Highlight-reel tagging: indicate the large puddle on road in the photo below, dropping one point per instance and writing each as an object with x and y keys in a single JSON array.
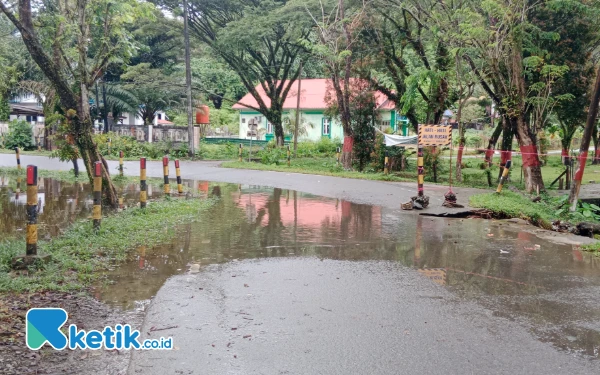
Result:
[{"x": 551, "y": 288}]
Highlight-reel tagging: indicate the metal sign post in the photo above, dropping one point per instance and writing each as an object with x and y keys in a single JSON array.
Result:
[{"x": 252, "y": 128}]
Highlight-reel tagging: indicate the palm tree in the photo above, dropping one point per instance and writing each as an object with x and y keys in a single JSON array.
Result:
[{"x": 290, "y": 125}]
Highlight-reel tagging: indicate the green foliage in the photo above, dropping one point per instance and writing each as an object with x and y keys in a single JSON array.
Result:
[
  {"x": 133, "y": 149},
  {"x": 155, "y": 89},
  {"x": 473, "y": 138},
  {"x": 395, "y": 155},
  {"x": 585, "y": 211},
  {"x": 217, "y": 80},
  {"x": 79, "y": 255},
  {"x": 272, "y": 155},
  {"x": 363, "y": 114},
  {"x": 20, "y": 134},
  {"x": 4, "y": 108}
]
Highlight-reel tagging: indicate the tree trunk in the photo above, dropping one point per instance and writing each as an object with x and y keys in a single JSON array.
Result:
[
  {"x": 347, "y": 152},
  {"x": 585, "y": 143},
  {"x": 596, "y": 149},
  {"x": 75, "y": 107},
  {"x": 489, "y": 153},
  {"x": 532, "y": 171},
  {"x": 90, "y": 155},
  {"x": 275, "y": 121},
  {"x": 461, "y": 148},
  {"x": 507, "y": 139}
]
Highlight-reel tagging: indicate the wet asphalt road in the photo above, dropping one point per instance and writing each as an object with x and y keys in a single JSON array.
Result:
[{"x": 311, "y": 316}]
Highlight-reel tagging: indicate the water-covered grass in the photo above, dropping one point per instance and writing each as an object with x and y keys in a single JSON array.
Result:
[{"x": 79, "y": 255}]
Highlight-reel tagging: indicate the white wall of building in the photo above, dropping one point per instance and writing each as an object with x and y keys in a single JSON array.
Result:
[
  {"x": 314, "y": 133},
  {"x": 133, "y": 119}
]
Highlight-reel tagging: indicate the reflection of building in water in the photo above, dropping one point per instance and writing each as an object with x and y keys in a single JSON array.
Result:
[
  {"x": 21, "y": 200},
  {"x": 310, "y": 213}
]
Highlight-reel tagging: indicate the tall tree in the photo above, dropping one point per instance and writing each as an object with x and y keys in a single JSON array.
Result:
[
  {"x": 495, "y": 33},
  {"x": 416, "y": 62},
  {"x": 258, "y": 41},
  {"x": 155, "y": 90},
  {"x": 337, "y": 26},
  {"x": 85, "y": 36}
]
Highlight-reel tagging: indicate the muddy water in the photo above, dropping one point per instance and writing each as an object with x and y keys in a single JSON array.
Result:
[{"x": 550, "y": 288}]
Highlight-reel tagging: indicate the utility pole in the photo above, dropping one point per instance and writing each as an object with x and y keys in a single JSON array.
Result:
[
  {"x": 188, "y": 81},
  {"x": 296, "y": 128}
]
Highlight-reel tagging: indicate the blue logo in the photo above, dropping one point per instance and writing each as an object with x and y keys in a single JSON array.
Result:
[{"x": 43, "y": 326}]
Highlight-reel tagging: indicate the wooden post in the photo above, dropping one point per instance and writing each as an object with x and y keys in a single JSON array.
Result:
[
  {"x": 18, "y": 152},
  {"x": 178, "y": 174},
  {"x": 97, "y": 210},
  {"x": 166, "y": 175},
  {"x": 32, "y": 210},
  {"x": 121, "y": 163},
  {"x": 31, "y": 256},
  {"x": 421, "y": 171},
  {"x": 386, "y": 163},
  {"x": 337, "y": 155},
  {"x": 240, "y": 153},
  {"x": 289, "y": 162},
  {"x": 143, "y": 185},
  {"x": 504, "y": 176},
  {"x": 109, "y": 145}
]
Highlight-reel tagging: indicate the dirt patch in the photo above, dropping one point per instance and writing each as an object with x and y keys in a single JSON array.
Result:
[{"x": 84, "y": 311}]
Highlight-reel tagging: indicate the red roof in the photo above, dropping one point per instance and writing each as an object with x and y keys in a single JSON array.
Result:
[
  {"x": 313, "y": 96},
  {"x": 164, "y": 122}
]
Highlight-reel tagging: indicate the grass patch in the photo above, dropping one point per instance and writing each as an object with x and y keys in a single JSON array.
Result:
[
  {"x": 592, "y": 247},
  {"x": 31, "y": 152},
  {"x": 512, "y": 205},
  {"x": 79, "y": 255},
  {"x": 319, "y": 166}
]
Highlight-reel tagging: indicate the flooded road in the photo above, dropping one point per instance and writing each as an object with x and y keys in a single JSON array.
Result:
[{"x": 550, "y": 290}]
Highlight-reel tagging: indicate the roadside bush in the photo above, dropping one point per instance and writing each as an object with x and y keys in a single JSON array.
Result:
[
  {"x": 134, "y": 149},
  {"x": 272, "y": 155},
  {"x": 326, "y": 146},
  {"x": 395, "y": 156},
  {"x": 20, "y": 134}
]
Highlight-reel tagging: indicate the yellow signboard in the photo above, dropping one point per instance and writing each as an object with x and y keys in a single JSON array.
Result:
[
  {"x": 437, "y": 275},
  {"x": 435, "y": 135}
]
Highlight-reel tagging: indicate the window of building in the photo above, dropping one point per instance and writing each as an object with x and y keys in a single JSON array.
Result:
[
  {"x": 269, "y": 128},
  {"x": 326, "y": 129},
  {"x": 243, "y": 121},
  {"x": 160, "y": 116}
]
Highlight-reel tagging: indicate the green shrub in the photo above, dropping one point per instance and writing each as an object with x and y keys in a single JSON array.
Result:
[
  {"x": 272, "y": 155},
  {"x": 133, "y": 149},
  {"x": 20, "y": 134}
]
